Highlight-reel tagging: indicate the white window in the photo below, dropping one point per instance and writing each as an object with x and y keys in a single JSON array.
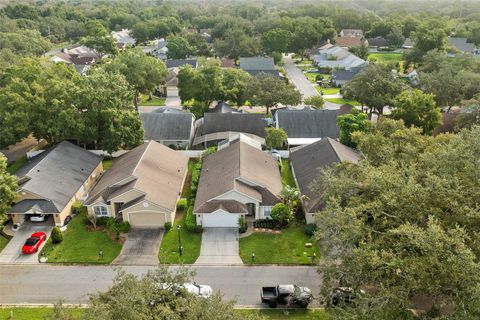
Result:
[
  {"x": 100, "y": 211},
  {"x": 267, "y": 211}
]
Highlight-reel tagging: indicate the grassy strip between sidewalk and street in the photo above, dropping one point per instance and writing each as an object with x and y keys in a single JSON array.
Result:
[
  {"x": 81, "y": 245},
  {"x": 40, "y": 313},
  {"x": 287, "y": 247}
]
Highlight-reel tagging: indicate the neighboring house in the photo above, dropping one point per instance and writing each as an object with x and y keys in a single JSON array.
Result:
[
  {"x": 337, "y": 57},
  {"x": 355, "y": 33},
  {"x": 340, "y": 76},
  {"x": 81, "y": 57},
  {"x": 177, "y": 63},
  {"x": 462, "y": 45},
  {"x": 257, "y": 65},
  {"x": 206, "y": 34},
  {"x": 216, "y": 127},
  {"x": 168, "y": 126},
  {"x": 378, "y": 42},
  {"x": 307, "y": 126},
  {"x": 348, "y": 42},
  {"x": 123, "y": 38},
  {"x": 227, "y": 63},
  {"x": 142, "y": 186},
  {"x": 407, "y": 44},
  {"x": 52, "y": 181},
  {"x": 307, "y": 161},
  {"x": 413, "y": 77},
  {"x": 223, "y": 107},
  {"x": 237, "y": 181},
  {"x": 159, "y": 49}
]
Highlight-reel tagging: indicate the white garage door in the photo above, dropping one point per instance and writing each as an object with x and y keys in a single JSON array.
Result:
[
  {"x": 147, "y": 219},
  {"x": 221, "y": 219}
]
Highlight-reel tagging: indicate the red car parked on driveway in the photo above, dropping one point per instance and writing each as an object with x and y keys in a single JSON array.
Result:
[{"x": 34, "y": 242}]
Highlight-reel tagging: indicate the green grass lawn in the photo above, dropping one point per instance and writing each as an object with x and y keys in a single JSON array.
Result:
[
  {"x": 24, "y": 313},
  {"x": 81, "y": 245},
  {"x": 343, "y": 101},
  {"x": 288, "y": 247},
  {"x": 191, "y": 241},
  {"x": 156, "y": 101},
  {"x": 107, "y": 164},
  {"x": 304, "y": 61},
  {"x": 286, "y": 173},
  {"x": 3, "y": 242},
  {"x": 14, "y": 166},
  {"x": 328, "y": 90},
  {"x": 312, "y": 76},
  {"x": 385, "y": 57}
]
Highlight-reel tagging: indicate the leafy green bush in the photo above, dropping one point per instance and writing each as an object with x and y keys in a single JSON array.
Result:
[
  {"x": 167, "y": 225},
  {"x": 57, "y": 235},
  {"x": 266, "y": 223},
  {"x": 103, "y": 221},
  {"x": 77, "y": 207},
  {"x": 122, "y": 227},
  {"x": 181, "y": 204},
  {"x": 281, "y": 214},
  {"x": 310, "y": 229},
  {"x": 190, "y": 220},
  {"x": 242, "y": 225}
]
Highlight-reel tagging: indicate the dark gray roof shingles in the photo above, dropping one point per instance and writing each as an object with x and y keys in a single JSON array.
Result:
[
  {"x": 167, "y": 125},
  {"x": 235, "y": 122},
  {"x": 308, "y": 123}
]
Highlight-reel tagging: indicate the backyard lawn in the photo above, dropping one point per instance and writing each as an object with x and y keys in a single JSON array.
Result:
[
  {"x": 288, "y": 247},
  {"x": 191, "y": 241},
  {"x": 286, "y": 173},
  {"x": 343, "y": 101},
  {"x": 156, "y": 101},
  {"x": 14, "y": 166},
  {"x": 25, "y": 313},
  {"x": 387, "y": 57},
  {"x": 80, "y": 245}
]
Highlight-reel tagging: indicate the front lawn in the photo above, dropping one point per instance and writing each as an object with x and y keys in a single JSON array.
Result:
[
  {"x": 41, "y": 313},
  {"x": 280, "y": 314},
  {"x": 14, "y": 166},
  {"x": 312, "y": 76},
  {"x": 343, "y": 101},
  {"x": 287, "y": 175},
  {"x": 81, "y": 245},
  {"x": 3, "y": 242},
  {"x": 288, "y": 247},
  {"x": 156, "y": 101},
  {"x": 385, "y": 57},
  {"x": 329, "y": 90}
]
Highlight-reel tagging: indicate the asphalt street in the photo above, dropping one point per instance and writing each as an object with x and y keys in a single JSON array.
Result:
[
  {"x": 298, "y": 78},
  {"x": 47, "y": 284}
]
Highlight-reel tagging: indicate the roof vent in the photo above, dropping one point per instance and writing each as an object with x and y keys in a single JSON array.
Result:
[{"x": 38, "y": 170}]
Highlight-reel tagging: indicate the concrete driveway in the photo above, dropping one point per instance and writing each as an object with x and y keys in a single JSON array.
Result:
[
  {"x": 219, "y": 247},
  {"x": 12, "y": 253},
  {"x": 141, "y": 247}
]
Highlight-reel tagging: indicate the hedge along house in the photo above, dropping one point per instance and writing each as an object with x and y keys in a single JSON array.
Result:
[
  {"x": 308, "y": 160},
  {"x": 142, "y": 186},
  {"x": 52, "y": 181},
  {"x": 236, "y": 181}
]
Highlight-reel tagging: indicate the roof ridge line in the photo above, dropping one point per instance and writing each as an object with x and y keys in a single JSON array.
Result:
[
  {"x": 140, "y": 160},
  {"x": 333, "y": 148}
]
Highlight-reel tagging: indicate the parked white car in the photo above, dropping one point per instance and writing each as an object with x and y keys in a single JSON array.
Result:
[
  {"x": 38, "y": 217},
  {"x": 202, "y": 291}
]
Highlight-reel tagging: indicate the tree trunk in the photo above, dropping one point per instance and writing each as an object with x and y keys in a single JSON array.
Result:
[{"x": 135, "y": 100}]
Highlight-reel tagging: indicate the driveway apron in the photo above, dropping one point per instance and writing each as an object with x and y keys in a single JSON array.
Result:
[
  {"x": 141, "y": 247},
  {"x": 219, "y": 247}
]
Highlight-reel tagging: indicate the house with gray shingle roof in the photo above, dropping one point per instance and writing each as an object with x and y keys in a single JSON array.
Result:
[
  {"x": 258, "y": 65},
  {"x": 307, "y": 126},
  {"x": 463, "y": 45},
  {"x": 52, "y": 181},
  {"x": 168, "y": 126},
  {"x": 307, "y": 162},
  {"x": 237, "y": 181},
  {"x": 336, "y": 58}
]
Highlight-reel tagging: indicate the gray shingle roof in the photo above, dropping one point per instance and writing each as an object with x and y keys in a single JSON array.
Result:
[
  {"x": 34, "y": 205},
  {"x": 167, "y": 125},
  {"x": 181, "y": 62},
  {"x": 222, "y": 107},
  {"x": 461, "y": 44},
  {"x": 307, "y": 162},
  {"x": 232, "y": 206},
  {"x": 58, "y": 173},
  {"x": 236, "y": 122},
  {"x": 346, "y": 75},
  {"x": 257, "y": 63},
  {"x": 308, "y": 123}
]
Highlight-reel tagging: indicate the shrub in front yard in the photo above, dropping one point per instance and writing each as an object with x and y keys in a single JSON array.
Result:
[
  {"x": 190, "y": 220},
  {"x": 56, "y": 236},
  {"x": 266, "y": 223},
  {"x": 181, "y": 204},
  {"x": 77, "y": 207},
  {"x": 281, "y": 214},
  {"x": 167, "y": 225},
  {"x": 310, "y": 229},
  {"x": 242, "y": 225}
]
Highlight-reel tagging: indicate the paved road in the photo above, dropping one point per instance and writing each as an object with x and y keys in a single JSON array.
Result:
[
  {"x": 46, "y": 284},
  {"x": 219, "y": 247},
  {"x": 16, "y": 151},
  {"x": 297, "y": 77},
  {"x": 141, "y": 247}
]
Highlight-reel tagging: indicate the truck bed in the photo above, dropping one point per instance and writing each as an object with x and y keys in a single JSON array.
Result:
[{"x": 269, "y": 292}]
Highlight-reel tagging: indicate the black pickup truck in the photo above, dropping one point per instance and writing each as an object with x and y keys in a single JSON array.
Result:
[{"x": 286, "y": 294}]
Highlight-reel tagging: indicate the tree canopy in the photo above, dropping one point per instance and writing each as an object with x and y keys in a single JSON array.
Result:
[{"x": 8, "y": 188}]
